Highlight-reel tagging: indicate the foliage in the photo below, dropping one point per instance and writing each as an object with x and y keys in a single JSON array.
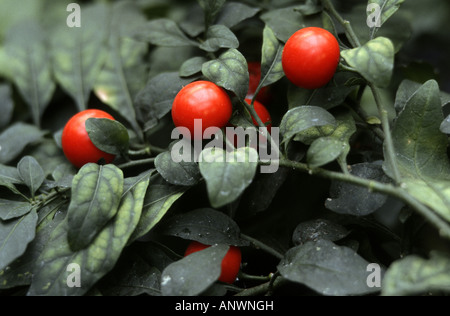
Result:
[{"x": 364, "y": 169}]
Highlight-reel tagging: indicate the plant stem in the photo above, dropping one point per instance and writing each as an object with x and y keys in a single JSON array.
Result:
[
  {"x": 137, "y": 163},
  {"x": 390, "y": 149},
  {"x": 345, "y": 24},
  {"x": 260, "y": 245}
]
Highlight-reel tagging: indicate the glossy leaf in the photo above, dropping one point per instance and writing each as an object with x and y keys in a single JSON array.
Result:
[
  {"x": 272, "y": 50},
  {"x": 16, "y": 138},
  {"x": 324, "y": 150},
  {"x": 108, "y": 135},
  {"x": 414, "y": 275},
  {"x": 234, "y": 13},
  {"x": 206, "y": 226},
  {"x": 193, "y": 274},
  {"x": 96, "y": 194},
  {"x": 422, "y": 150},
  {"x": 327, "y": 268},
  {"x": 374, "y": 61},
  {"x": 99, "y": 258},
  {"x": 177, "y": 173},
  {"x": 15, "y": 235},
  {"x": 163, "y": 32},
  {"x": 78, "y": 54},
  {"x": 13, "y": 209},
  {"x": 227, "y": 175},
  {"x": 31, "y": 173},
  {"x": 217, "y": 37},
  {"x": 25, "y": 60},
  {"x": 229, "y": 71}
]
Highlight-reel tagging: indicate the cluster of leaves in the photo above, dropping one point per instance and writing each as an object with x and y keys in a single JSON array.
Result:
[{"x": 362, "y": 179}]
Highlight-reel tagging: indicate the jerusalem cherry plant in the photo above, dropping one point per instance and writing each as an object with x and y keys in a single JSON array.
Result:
[{"x": 213, "y": 147}]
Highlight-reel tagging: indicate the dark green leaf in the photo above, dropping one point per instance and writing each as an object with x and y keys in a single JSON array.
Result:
[
  {"x": 302, "y": 118},
  {"x": 156, "y": 98},
  {"x": 229, "y": 71},
  {"x": 421, "y": 149},
  {"x": 414, "y": 275},
  {"x": 374, "y": 61},
  {"x": 31, "y": 173},
  {"x": 163, "y": 32},
  {"x": 99, "y": 258},
  {"x": 315, "y": 230},
  {"x": 272, "y": 49},
  {"x": 24, "y": 60},
  {"x": 358, "y": 201},
  {"x": 15, "y": 235},
  {"x": 108, "y": 135},
  {"x": 324, "y": 150},
  {"x": 79, "y": 53},
  {"x": 177, "y": 173},
  {"x": 211, "y": 9},
  {"x": 234, "y": 12},
  {"x": 192, "y": 66},
  {"x": 158, "y": 200},
  {"x": 284, "y": 22},
  {"x": 14, "y": 140},
  {"x": 13, "y": 209},
  {"x": 96, "y": 195},
  {"x": 206, "y": 226},
  {"x": 217, "y": 37},
  {"x": 193, "y": 274},
  {"x": 125, "y": 71},
  {"x": 6, "y": 105},
  {"x": 227, "y": 175},
  {"x": 327, "y": 268}
]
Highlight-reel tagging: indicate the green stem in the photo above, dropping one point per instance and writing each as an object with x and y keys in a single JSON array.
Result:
[
  {"x": 260, "y": 245},
  {"x": 137, "y": 163},
  {"x": 345, "y": 24},
  {"x": 390, "y": 149}
]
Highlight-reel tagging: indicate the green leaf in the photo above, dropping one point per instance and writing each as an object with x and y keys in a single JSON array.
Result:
[
  {"x": 78, "y": 54},
  {"x": 302, "y": 118},
  {"x": 415, "y": 275},
  {"x": 24, "y": 59},
  {"x": 99, "y": 258},
  {"x": 387, "y": 8},
  {"x": 192, "y": 66},
  {"x": 272, "y": 50},
  {"x": 177, "y": 173},
  {"x": 96, "y": 194},
  {"x": 108, "y": 135},
  {"x": 31, "y": 173},
  {"x": 13, "y": 209},
  {"x": 327, "y": 268},
  {"x": 158, "y": 201},
  {"x": 284, "y": 22},
  {"x": 15, "y": 235},
  {"x": 125, "y": 71},
  {"x": 6, "y": 105},
  {"x": 324, "y": 150},
  {"x": 227, "y": 175},
  {"x": 353, "y": 200},
  {"x": 317, "y": 229},
  {"x": 234, "y": 13},
  {"x": 211, "y": 8},
  {"x": 421, "y": 150},
  {"x": 206, "y": 226},
  {"x": 374, "y": 61},
  {"x": 14, "y": 140},
  {"x": 217, "y": 37},
  {"x": 193, "y": 274},
  {"x": 156, "y": 98},
  {"x": 229, "y": 71},
  {"x": 163, "y": 32}
]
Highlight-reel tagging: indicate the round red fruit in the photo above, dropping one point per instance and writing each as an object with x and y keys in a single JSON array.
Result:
[
  {"x": 201, "y": 100},
  {"x": 76, "y": 144},
  {"x": 310, "y": 57}
]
